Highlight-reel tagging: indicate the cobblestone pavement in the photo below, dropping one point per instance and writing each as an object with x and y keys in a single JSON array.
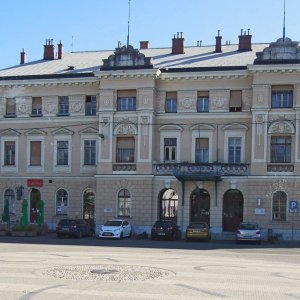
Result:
[{"x": 65, "y": 271}]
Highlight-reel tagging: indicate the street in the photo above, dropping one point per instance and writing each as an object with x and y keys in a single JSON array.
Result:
[{"x": 89, "y": 268}]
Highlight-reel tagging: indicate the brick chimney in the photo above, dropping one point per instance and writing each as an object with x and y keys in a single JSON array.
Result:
[
  {"x": 23, "y": 58},
  {"x": 245, "y": 41},
  {"x": 144, "y": 44},
  {"x": 177, "y": 44},
  {"x": 60, "y": 50},
  {"x": 49, "y": 50},
  {"x": 218, "y": 48}
]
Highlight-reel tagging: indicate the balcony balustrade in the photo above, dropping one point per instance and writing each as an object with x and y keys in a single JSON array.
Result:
[
  {"x": 280, "y": 168},
  {"x": 209, "y": 169},
  {"x": 124, "y": 167}
]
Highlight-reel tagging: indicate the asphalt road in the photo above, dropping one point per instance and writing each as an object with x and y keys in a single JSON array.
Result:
[{"x": 50, "y": 268}]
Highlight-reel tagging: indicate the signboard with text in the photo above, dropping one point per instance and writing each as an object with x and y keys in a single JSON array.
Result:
[
  {"x": 293, "y": 206},
  {"x": 35, "y": 182}
]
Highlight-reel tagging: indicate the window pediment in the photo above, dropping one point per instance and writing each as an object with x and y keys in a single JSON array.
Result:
[
  {"x": 35, "y": 131},
  {"x": 235, "y": 126},
  {"x": 89, "y": 130},
  {"x": 170, "y": 128},
  {"x": 203, "y": 127},
  {"x": 125, "y": 129},
  {"x": 9, "y": 132},
  {"x": 281, "y": 127},
  {"x": 62, "y": 131}
]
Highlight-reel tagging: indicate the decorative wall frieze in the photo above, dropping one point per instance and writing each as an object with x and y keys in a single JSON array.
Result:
[
  {"x": 281, "y": 127},
  {"x": 125, "y": 129},
  {"x": 219, "y": 99}
]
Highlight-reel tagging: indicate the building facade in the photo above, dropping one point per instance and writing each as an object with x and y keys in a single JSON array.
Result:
[{"x": 206, "y": 133}]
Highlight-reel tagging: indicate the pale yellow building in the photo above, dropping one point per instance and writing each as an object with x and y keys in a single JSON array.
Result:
[{"x": 184, "y": 133}]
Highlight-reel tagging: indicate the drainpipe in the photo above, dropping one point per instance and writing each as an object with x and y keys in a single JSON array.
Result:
[{"x": 182, "y": 205}]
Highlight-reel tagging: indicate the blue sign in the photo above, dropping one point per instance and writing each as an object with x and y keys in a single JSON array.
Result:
[{"x": 293, "y": 206}]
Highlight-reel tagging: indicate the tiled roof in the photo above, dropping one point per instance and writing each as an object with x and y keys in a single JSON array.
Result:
[{"x": 86, "y": 62}]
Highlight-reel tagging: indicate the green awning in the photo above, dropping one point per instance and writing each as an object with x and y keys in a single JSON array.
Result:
[{"x": 196, "y": 177}]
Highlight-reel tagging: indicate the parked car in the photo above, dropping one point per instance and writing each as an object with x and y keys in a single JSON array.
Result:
[
  {"x": 73, "y": 227},
  {"x": 165, "y": 229},
  {"x": 115, "y": 229},
  {"x": 248, "y": 231},
  {"x": 198, "y": 231}
]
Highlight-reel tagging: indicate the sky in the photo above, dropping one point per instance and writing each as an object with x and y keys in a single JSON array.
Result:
[{"x": 92, "y": 25}]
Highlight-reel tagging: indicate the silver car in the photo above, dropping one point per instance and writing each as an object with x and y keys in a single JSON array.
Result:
[
  {"x": 248, "y": 231},
  {"x": 115, "y": 229}
]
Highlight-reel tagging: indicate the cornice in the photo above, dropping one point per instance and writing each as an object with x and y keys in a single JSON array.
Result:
[
  {"x": 115, "y": 74},
  {"x": 290, "y": 68}
]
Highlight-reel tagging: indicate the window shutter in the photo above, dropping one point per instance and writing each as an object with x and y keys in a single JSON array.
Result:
[
  {"x": 203, "y": 94},
  {"x": 127, "y": 94},
  {"x": 171, "y": 95},
  {"x": 282, "y": 88},
  {"x": 235, "y": 99},
  {"x": 35, "y": 153},
  {"x": 202, "y": 143},
  {"x": 125, "y": 143},
  {"x": 36, "y": 102},
  {"x": 11, "y": 106}
]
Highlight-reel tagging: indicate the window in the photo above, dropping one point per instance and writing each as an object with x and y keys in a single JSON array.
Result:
[
  {"x": 281, "y": 149},
  {"x": 203, "y": 102},
  {"x": 126, "y": 100},
  {"x": 279, "y": 207},
  {"x": 170, "y": 145},
  {"x": 61, "y": 202},
  {"x": 35, "y": 153},
  {"x": 9, "y": 195},
  {"x": 125, "y": 149},
  {"x": 234, "y": 150},
  {"x": 10, "y": 107},
  {"x": 90, "y": 105},
  {"x": 63, "y": 105},
  {"x": 62, "y": 158},
  {"x": 171, "y": 102},
  {"x": 235, "y": 102},
  {"x": 9, "y": 153},
  {"x": 89, "y": 152},
  {"x": 124, "y": 203},
  {"x": 282, "y": 96},
  {"x": 36, "y": 107},
  {"x": 201, "y": 155}
]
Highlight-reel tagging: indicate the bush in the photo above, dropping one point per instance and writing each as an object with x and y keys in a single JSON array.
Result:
[{"x": 27, "y": 228}]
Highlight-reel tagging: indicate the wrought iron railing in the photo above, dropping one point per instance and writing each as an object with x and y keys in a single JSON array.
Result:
[
  {"x": 220, "y": 169},
  {"x": 280, "y": 168}
]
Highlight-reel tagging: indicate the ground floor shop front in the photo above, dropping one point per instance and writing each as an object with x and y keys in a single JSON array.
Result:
[{"x": 142, "y": 200}]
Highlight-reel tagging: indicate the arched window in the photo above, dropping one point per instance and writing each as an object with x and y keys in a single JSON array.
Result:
[
  {"x": 168, "y": 205},
  {"x": 61, "y": 202},
  {"x": 10, "y": 196},
  {"x": 279, "y": 206},
  {"x": 124, "y": 203}
]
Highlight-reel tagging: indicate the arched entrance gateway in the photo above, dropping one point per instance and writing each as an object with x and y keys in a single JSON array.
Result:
[
  {"x": 233, "y": 205},
  {"x": 200, "y": 206},
  {"x": 89, "y": 207},
  {"x": 168, "y": 205},
  {"x": 35, "y": 197}
]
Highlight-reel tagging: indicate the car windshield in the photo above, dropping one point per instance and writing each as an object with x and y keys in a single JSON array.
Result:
[
  {"x": 162, "y": 224},
  {"x": 113, "y": 223},
  {"x": 66, "y": 222},
  {"x": 248, "y": 226},
  {"x": 197, "y": 225}
]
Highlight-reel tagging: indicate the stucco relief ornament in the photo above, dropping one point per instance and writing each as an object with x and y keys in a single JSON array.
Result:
[
  {"x": 187, "y": 103},
  {"x": 159, "y": 102},
  {"x": 146, "y": 100},
  {"x": 50, "y": 107},
  {"x": 145, "y": 120},
  {"x": 260, "y": 99},
  {"x": 106, "y": 101},
  {"x": 23, "y": 108},
  {"x": 219, "y": 102},
  {"x": 77, "y": 107},
  {"x": 125, "y": 129},
  {"x": 281, "y": 128}
]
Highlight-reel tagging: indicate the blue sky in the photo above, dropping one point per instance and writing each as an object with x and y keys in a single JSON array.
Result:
[{"x": 100, "y": 24}]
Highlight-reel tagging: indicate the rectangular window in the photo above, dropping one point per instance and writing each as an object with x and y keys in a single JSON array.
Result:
[
  {"x": 234, "y": 150},
  {"x": 36, "y": 107},
  {"x": 9, "y": 153},
  {"x": 10, "y": 107},
  {"x": 281, "y": 149},
  {"x": 90, "y": 105},
  {"x": 203, "y": 102},
  {"x": 125, "y": 149},
  {"x": 35, "y": 153},
  {"x": 235, "y": 102},
  {"x": 171, "y": 102},
  {"x": 170, "y": 145},
  {"x": 201, "y": 154},
  {"x": 90, "y": 152},
  {"x": 63, "y": 105},
  {"x": 62, "y": 153},
  {"x": 282, "y": 96},
  {"x": 126, "y": 100}
]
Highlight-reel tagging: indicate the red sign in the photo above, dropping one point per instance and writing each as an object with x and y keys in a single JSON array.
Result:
[{"x": 35, "y": 182}]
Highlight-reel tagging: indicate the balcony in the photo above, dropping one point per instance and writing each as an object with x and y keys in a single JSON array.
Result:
[
  {"x": 206, "y": 171},
  {"x": 280, "y": 168}
]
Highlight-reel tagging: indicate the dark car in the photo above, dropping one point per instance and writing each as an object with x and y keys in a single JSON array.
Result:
[
  {"x": 198, "y": 231},
  {"x": 73, "y": 227},
  {"x": 165, "y": 229}
]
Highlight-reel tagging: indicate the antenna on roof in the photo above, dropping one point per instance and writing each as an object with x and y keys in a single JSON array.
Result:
[
  {"x": 283, "y": 36},
  {"x": 128, "y": 23}
]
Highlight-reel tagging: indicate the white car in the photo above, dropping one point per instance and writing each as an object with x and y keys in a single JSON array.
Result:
[{"x": 115, "y": 229}]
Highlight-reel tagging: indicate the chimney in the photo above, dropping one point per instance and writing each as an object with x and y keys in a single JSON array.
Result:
[
  {"x": 49, "y": 50},
  {"x": 177, "y": 44},
  {"x": 245, "y": 41},
  {"x": 60, "y": 50},
  {"x": 144, "y": 44},
  {"x": 218, "y": 48},
  {"x": 23, "y": 58}
]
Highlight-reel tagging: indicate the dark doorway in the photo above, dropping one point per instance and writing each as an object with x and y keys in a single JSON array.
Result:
[
  {"x": 200, "y": 206},
  {"x": 89, "y": 208},
  {"x": 168, "y": 205},
  {"x": 233, "y": 204},
  {"x": 35, "y": 197}
]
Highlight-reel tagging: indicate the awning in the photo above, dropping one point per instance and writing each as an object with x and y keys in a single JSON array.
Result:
[{"x": 181, "y": 176}]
